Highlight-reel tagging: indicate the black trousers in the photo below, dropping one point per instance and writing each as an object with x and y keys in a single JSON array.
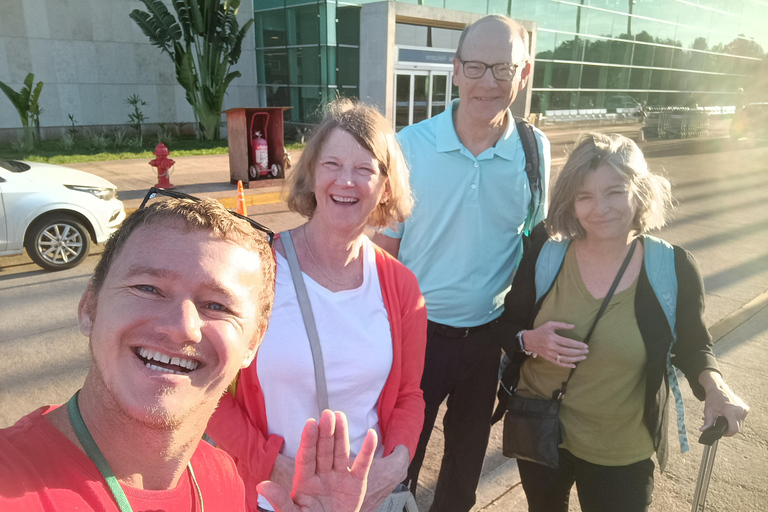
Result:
[
  {"x": 600, "y": 488},
  {"x": 466, "y": 371}
]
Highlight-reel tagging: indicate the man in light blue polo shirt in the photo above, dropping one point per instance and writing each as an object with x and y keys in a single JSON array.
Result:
[{"x": 464, "y": 241}]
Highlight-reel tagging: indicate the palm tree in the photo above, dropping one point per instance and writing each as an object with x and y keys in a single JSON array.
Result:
[
  {"x": 26, "y": 104},
  {"x": 204, "y": 40}
]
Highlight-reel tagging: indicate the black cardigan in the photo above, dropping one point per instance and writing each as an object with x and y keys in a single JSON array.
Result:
[{"x": 692, "y": 352}]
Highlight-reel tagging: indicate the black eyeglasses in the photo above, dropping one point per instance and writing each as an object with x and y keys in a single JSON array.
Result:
[
  {"x": 502, "y": 71},
  {"x": 154, "y": 191}
]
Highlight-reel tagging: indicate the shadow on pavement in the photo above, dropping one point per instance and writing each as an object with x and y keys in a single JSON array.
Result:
[{"x": 679, "y": 147}]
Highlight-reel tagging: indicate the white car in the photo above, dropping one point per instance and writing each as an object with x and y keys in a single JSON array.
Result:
[{"x": 54, "y": 212}]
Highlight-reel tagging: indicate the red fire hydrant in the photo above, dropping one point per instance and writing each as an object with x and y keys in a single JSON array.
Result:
[{"x": 163, "y": 164}]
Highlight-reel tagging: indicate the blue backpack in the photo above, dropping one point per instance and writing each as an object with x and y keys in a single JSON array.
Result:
[{"x": 659, "y": 261}]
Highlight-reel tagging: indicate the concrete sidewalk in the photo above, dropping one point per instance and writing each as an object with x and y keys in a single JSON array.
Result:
[
  {"x": 206, "y": 176},
  {"x": 209, "y": 175}
]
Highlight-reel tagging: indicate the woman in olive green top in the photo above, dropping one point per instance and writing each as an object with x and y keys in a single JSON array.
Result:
[{"x": 613, "y": 415}]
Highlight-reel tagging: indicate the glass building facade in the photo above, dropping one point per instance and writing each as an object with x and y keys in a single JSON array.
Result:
[
  {"x": 307, "y": 53},
  {"x": 589, "y": 53}
]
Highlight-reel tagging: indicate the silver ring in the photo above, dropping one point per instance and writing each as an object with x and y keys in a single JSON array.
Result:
[{"x": 558, "y": 358}]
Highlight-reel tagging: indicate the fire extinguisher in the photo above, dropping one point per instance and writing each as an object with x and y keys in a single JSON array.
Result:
[
  {"x": 260, "y": 163},
  {"x": 260, "y": 150}
]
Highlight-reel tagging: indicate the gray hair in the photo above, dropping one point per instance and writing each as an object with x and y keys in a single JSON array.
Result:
[{"x": 651, "y": 191}]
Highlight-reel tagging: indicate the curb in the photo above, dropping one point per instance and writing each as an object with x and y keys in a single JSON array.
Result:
[
  {"x": 230, "y": 202},
  {"x": 734, "y": 319}
]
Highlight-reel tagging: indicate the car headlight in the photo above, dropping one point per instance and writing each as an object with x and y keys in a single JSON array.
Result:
[{"x": 101, "y": 192}]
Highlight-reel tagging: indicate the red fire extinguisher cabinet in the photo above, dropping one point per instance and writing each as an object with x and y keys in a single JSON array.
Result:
[{"x": 239, "y": 140}]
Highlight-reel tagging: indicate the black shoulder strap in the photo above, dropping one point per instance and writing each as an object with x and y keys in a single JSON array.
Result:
[{"x": 531, "y": 150}]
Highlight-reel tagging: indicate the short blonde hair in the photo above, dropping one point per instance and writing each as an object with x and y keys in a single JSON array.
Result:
[
  {"x": 651, "y": 191},
  {"x": 373, "y": 133}
]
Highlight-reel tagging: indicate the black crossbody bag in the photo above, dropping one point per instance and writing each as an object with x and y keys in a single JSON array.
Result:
[{"x": 532, "y": 425}]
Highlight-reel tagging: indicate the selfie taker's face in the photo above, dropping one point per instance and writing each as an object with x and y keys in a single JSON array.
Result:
[{"x": 173, "y": 322}]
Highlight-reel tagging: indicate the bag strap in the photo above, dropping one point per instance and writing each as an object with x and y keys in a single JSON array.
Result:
[
  {"x": 532, "y": 165},
  {"x": 309, "y": 320},
  {"x": 660, "y": 267},
  {"x": 560, "y": 393}
]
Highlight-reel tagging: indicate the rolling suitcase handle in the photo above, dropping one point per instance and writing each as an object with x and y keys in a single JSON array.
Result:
[{"x": 709, "y": 437}]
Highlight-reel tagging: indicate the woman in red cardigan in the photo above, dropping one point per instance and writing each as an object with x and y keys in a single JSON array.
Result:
[{"x": 370, "y": 316}]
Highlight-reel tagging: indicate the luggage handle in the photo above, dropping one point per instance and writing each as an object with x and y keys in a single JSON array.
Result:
[
  {"x": 715, "y": 432},
  {"x": 709, "y": 438}
]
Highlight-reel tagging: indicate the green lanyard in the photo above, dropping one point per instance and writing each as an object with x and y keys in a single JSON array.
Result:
[{"x": 94, "y": 453}]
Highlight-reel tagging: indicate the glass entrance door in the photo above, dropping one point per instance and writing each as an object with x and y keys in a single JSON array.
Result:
[{"x": 420, "y": 95}]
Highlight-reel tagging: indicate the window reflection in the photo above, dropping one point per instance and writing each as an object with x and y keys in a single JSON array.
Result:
[
  {"x": 665, "y": 52},
  {"x": 276, "y": 66},
  {"x": 273, "y": 31},
  {"x": 410, "y": 35},
  {"x": 430, "y": 37},
  {"x": 420, "y": 97},
  {"x": 402, "y": 100}
]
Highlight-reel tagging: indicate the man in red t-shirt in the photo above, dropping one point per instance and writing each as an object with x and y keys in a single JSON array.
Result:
[{"x": 177, "y": 306}]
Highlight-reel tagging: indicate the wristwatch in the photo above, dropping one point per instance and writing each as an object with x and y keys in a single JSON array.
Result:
[{"x": 522, "y": 345}]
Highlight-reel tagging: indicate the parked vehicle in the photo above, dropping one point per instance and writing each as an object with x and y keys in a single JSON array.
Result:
[
  {"x": 54, "y": 212},
  {"x": 750, "y": 121}
]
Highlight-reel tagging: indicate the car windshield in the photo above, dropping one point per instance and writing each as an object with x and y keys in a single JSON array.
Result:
[{"x": 14, "y": 165}]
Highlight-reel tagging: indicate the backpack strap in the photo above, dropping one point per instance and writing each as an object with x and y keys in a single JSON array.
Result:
[
  {"x": 548, "y": 265},
  {"x": 532, "y": 169},
  {"x": 660, "y": 268}
]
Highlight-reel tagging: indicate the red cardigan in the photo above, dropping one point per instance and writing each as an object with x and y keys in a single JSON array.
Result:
[{"x": 239, "y": 425}]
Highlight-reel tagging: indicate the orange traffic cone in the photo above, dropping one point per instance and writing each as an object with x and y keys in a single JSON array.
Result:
[{"x": 241, "y": 199}]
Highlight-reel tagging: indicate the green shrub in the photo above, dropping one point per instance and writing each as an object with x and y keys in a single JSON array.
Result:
[
  {"x": 137, "y": 118},
  {"x": 96, "y": 141},
  {"x": 119, "y": 139},
  {"x": 23, "y": 144},
  {"x": 67, "y": 141},
  {"x": 164, "y": 135}
]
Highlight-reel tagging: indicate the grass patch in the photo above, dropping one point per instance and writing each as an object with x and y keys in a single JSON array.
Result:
[
  {"x": 295, "y": 145},
  {"x": 53, "y": 152}
]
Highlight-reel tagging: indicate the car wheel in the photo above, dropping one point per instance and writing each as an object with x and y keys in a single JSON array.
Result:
[{"x": 57, "y": 242}]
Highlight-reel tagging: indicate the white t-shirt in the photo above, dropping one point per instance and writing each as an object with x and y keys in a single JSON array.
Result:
[{"x": 354, "y": 331}]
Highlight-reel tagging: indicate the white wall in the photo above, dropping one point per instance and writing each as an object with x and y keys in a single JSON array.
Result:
[{"x": 91, "y": 56}]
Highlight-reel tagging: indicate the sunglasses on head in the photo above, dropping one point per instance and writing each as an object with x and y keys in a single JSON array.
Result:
[{"x": 155, "y": 191}]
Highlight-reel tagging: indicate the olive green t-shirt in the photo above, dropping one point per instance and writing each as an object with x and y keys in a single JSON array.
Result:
[{"x": 602, "y": 411}]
